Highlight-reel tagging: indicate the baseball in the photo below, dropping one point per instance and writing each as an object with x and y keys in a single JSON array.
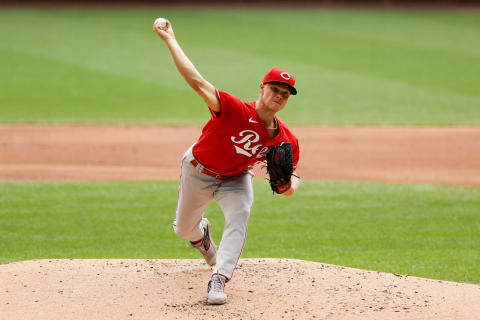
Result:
[{"x": 161, "y": 22}]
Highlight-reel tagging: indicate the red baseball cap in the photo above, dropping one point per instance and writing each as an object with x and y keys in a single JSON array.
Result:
[{"x": 282, "y": 76}]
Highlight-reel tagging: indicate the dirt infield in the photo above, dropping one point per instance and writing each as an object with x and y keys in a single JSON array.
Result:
[
  {"x": 448, "y": 155},
  {"x": 261, "y": 289}
]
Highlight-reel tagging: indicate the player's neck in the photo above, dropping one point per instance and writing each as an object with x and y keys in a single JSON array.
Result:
[{"x": 267, "y": 116}]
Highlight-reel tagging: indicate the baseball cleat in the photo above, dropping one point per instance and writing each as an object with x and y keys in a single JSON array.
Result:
[
  {"x": 216, "y": 286},
  {"x": 206, "y": 246}
]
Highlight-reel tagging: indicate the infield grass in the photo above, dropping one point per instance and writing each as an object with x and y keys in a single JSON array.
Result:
[
  {"x": 421, "y": 230},
  {"x": 352, "y": 67}
]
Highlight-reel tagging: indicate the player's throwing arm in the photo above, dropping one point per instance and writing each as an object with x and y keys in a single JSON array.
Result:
[{"x": 186, "y": 68}]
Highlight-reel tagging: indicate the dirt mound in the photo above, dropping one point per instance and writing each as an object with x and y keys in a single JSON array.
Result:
[{"x": 260, "y": 289}]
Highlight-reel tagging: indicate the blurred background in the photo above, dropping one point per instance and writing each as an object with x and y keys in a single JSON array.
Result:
[{"x": 360, "y": 62}]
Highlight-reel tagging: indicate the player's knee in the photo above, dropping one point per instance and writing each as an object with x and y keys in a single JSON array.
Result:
[
  {"x": 244, "y": 210},
  {"x": 241, "y": 214},
  {"x": 181, "y": 230},
  {"x": 177, "y": 227}
]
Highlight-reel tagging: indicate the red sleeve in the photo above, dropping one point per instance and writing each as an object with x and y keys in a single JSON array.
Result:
[
  {"x": 296, "y": 153},
  {"x": 228, "y": 104},
  {"x": 290, "y": 137}
]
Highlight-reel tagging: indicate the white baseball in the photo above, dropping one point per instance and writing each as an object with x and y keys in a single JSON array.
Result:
[{"x": 161, "y": 22}]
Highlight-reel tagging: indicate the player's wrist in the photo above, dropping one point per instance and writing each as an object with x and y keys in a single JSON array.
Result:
[
  {"x": 285, "y": 187},
  {"x": 170, "y": 40}
]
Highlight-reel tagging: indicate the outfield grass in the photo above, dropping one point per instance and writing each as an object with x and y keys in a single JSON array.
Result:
[
  {"x": 352, "y": 67},
  {"x": 422, "y": 230}
]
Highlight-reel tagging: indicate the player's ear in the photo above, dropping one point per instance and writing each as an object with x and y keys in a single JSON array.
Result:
[{"x": 261, "y": 87}]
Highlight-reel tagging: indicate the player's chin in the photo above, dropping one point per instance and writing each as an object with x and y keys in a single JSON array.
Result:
[{"x": 277, "y": 106}]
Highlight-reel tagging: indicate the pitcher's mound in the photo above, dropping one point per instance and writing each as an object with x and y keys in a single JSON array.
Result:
[{"x": 260, "y": 289}]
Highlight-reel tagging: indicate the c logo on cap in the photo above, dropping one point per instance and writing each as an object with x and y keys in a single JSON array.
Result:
[{"x": 285, "y": 75}]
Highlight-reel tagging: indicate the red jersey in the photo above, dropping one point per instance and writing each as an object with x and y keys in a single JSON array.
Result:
[{"x": 234, "y": 139}]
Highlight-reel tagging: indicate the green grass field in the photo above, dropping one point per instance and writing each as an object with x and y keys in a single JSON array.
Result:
[
  {"x": 420, "y": 230},
  {"x": 352, "y": 67}
]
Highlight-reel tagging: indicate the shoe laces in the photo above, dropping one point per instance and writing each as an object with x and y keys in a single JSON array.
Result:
[{"x": 218, "y": 283}]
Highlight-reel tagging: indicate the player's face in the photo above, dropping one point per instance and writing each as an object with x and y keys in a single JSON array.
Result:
[{"x": 275, "y": 95}]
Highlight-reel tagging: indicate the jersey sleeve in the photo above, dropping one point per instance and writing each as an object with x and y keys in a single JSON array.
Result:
[
  {"x": 229, "y": 104},
  {"x": 288, "y": 136},
  {"x": 296, "y": 153}
]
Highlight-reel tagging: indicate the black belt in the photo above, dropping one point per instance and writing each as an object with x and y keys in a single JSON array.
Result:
[{"x": 209, "y": 172}]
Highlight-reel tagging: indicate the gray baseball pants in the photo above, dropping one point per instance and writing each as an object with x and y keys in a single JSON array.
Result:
[{"x": 235, "y": 198}]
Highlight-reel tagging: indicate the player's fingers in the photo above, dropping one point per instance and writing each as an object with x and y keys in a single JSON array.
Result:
[
  {"x": 158, "y": 26},
  {"x": 158, "y": 29}
]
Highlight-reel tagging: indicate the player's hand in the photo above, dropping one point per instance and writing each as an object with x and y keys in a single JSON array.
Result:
[{"x": 164, "y": 33}]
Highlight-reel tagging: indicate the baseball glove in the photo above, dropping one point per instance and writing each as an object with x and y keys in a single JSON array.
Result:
[{"x": 280, "y": 167}]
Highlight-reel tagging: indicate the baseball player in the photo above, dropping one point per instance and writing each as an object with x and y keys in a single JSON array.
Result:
[{"x": 218, "y": 166}]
